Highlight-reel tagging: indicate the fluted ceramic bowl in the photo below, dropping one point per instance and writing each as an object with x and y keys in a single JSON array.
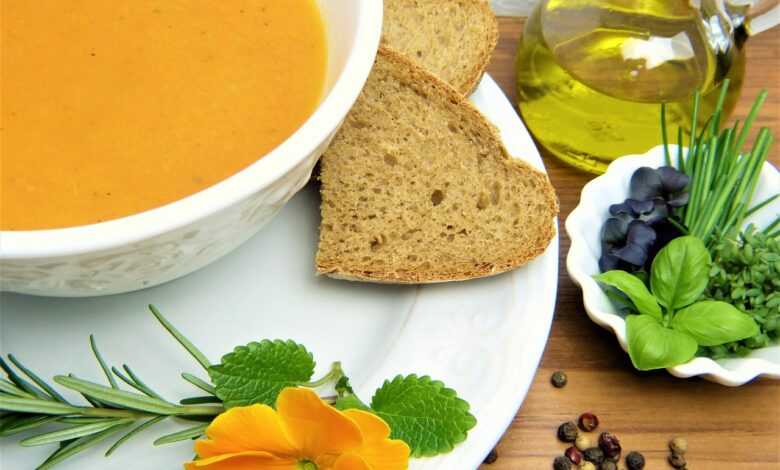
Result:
[
  {"x": 584, "y": 229},
  {"x": 162, "y": 244}
]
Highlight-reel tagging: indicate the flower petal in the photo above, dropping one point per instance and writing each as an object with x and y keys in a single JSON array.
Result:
[
  {"x": 315, "y": 427},
  {"x": 372, "y": 426},
  {"x": 351, "y": 462},
  {"x": 250, "y": 460},
  {"x": 249, "y": 428},
  {"x": 378, "y": 451}
]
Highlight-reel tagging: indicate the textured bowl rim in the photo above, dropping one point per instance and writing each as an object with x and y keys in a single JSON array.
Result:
[
  {"x": 32, "y": 244},
  {"x": 712, "y": 370}
]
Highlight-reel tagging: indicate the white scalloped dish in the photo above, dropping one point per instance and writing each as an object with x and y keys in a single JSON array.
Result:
[{"x": 584, "y": 228}]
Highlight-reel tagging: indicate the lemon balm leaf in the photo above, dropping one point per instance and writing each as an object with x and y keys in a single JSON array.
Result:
[
  {"x": 424, "y": 413},
  {"x": 257, "y": 372}
]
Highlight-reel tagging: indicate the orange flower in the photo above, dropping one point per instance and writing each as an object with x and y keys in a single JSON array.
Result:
[{"x": 303, "y": 433}]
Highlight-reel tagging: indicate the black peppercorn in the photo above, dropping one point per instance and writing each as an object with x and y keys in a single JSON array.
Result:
[
  {"x": 635, "y": 461},
  {"x": 574, "y": 455},
  {"x": 610, "y": 444},
  {"x": 588, "y": 422},
  {"x": 559, "y": 379},
  {"x": 567, "y": 432},
  {"x": 561, "y": 463},
  {"x": 491, "y": 457},
  {"x": 594, "y": 455},
  {"x": 677, "y": 461},
  {"x": 608, "y": 465}
]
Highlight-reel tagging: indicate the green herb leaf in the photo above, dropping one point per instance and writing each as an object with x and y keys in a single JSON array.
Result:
[
  {"x": 183, "y": 435},
  {"x": 134, "y": 432},
  {"x": 712, "y": 322},
  {"x": 73, "y": 432},
  {"x": 680, "y": 272},
  {"x": 653, "y": 346},
  {"x": 35, "y": 405},
  {"x": 186, "y": 343},
  {"x": 423, "y": 413},
  {"x": 349, "y": 402},
  {"x": 257, "y": 372},
  {"x": 119, "y": 397},
  {"x": 79, "y": 445},
  {"x": 23, "y": 422},
  {"x": 635, "y": 289},
  {"x": 198, "y": 382}
]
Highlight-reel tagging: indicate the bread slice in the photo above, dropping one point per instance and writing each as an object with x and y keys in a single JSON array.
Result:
[
  {"x": 417, "y": 187},
  {"x": 454, "y": 39}
]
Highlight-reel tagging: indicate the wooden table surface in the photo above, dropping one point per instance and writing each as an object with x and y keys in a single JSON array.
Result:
[{"x": 726, "y": 428}]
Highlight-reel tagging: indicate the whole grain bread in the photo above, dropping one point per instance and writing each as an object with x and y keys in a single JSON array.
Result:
[
  {"x": 454, "y": 39},
  {"x": 417, "y": 187}
]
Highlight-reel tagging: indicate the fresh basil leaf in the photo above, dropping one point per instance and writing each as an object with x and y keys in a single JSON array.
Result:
[
  {"x": 423, "y": 413},
  {"x": 653, "y": 346},
  {"x": 257, "y": 372},
  {"x": 635, "y": 290},
  {"x": 680, "y": 272},
  {"x": 712, "y": 323}
]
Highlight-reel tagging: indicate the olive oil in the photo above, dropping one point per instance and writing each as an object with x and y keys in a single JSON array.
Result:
[{"x": 592, "y": 75}]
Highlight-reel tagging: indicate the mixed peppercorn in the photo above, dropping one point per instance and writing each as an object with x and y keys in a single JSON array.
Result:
[
  {"x": 606, "y": 455},
  {"x": 583, "y": 455}
]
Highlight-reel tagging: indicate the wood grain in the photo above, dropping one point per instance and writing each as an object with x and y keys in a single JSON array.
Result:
[{"x": 727, "y": 428}]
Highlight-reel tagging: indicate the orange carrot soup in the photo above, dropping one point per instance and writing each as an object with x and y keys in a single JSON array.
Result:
[{"x": 110, "y": 108}]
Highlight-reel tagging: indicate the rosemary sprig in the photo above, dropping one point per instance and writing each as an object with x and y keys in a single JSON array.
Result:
[
  {"x": 28, "y": 402},
  {"x": 723, "y": 176}
]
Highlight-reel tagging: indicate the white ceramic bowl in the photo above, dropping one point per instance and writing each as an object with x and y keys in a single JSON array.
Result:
[
  {"x": 162, "y": 244},
  {"x": 584, "y": 228}
]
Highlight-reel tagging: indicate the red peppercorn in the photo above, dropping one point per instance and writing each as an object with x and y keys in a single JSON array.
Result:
[
  {"x": 588, "y": 422},
  {"x": 610, "y": 444},
  {"x": 574, "y": 455}
]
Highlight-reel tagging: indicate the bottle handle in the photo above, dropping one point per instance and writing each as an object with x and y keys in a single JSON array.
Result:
[
  {"x": 762, "y": 16},
  {"x": 755, "y": 15}
]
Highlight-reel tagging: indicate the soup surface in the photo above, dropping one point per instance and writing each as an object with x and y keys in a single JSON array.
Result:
[{"x": 110, "y": 108}]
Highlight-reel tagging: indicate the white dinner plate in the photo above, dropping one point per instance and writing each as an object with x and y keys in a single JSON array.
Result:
[{"x": 484, "y": 338}]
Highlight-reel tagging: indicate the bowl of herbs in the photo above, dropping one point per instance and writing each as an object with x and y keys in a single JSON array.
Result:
[{"x": 677, "y": 252}]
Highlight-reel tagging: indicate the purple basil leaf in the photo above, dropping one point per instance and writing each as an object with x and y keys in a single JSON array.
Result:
[
  {"x": 664, "y": 233},
  {"x": 641, "y": 234},
  {"x": 608, "y": 262},
  {"x": 679, "y": 200},
  {"x": 622, "y": 208},
  {"x": 632, "y": 253},
  {"x": 640, "y": 207},
  {"x": 645, "y": 184},
  {"x": 614, "y": 231},
  {"x": 672, "y": 179},
  {"x": 658, "y": 213}
]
